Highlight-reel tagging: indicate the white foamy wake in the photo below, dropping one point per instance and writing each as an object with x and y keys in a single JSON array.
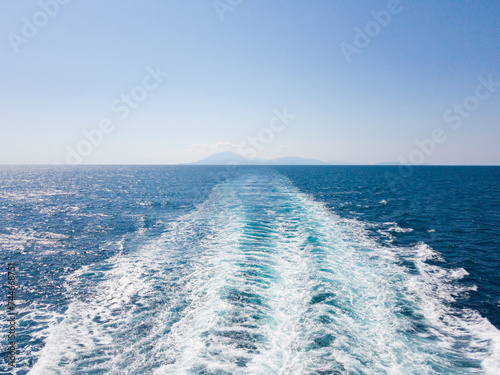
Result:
[{"x": 262, "y": 279}]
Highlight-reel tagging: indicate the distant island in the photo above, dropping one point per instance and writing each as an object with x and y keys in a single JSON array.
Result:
[{"x": 229, "y": 157}]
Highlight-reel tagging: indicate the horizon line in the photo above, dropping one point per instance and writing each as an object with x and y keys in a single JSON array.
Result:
[{"x": 249, "y": 165}]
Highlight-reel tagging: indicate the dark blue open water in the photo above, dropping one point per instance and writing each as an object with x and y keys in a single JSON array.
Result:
[{"x": 252, "y": 270}]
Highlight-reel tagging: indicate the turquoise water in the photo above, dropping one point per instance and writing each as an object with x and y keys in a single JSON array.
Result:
[{"x": 253, "y": 270}]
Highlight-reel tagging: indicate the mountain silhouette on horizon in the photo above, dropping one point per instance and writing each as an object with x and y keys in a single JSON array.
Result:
[{"x": 229, "y": 157}]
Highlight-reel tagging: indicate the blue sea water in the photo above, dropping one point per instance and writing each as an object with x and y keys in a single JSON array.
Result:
[{"x": 252, "y": 270}]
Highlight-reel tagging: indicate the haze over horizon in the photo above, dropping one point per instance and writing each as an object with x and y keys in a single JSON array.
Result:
[{"x": 174, "y": 82}]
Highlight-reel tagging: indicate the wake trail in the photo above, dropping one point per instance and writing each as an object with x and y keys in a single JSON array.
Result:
[{"x": 263, "y": 279}]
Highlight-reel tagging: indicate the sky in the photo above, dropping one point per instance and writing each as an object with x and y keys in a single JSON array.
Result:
[{"x": 173, "y": 81}]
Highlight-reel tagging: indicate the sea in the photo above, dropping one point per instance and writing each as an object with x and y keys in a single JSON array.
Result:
[{"x": 250, "y": 270}]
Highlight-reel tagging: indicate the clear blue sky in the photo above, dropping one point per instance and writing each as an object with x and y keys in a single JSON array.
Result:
[{"x": 228, "y": 72}]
